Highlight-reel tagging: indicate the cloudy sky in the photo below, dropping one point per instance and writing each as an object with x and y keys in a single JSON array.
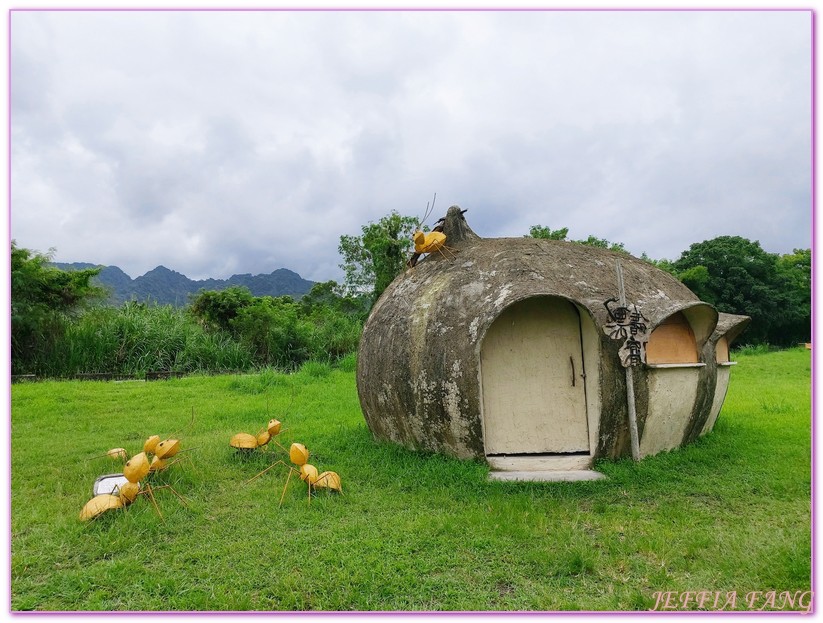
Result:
[{"x": 240, "y": 142}]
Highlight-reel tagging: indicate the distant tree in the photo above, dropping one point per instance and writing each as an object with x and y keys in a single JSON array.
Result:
[
  {"x": 737, "y": 276},
  {"x": 373, "y": 259},
  {"x": 699, "y": 280},
  {"x": 602, "y": 243},
  {"x": 42, "y": 297},
  {"x": 796, "y": 269},
  {"x": 332, "y": 295},
  {"x": 546, "y": 233},
  {"x": 322, "y": 293},
  {"x": 662, "y": 264},
  {"x": 797, "y": 265},
  {"x": 279, "y": 331},
  {"x": 272, "y": 329},
  {"x": 216, "y": 309}
]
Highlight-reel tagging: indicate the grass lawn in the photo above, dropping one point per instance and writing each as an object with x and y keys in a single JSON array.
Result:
[{"x": 412, "y": 531}]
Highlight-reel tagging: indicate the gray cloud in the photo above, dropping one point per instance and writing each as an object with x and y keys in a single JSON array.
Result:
[{"x": 221, "y": 142}]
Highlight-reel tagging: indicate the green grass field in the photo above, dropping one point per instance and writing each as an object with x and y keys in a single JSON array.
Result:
[{"x": 412, "y": 531}]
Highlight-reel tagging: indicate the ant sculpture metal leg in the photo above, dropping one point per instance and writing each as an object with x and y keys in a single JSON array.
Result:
[
  {"x": 270, "y": 467},
  {"x": 159, "y": 464},
  {"x": 450, "y": 253},
  {"x": 149, "y": 490}
]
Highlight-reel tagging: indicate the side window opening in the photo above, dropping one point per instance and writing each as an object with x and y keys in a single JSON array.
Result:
[
  {"x": 722, "y": 350},
  {"x": 672, "y": 341}
]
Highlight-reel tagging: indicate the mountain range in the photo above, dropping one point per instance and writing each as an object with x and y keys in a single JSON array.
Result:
[{"x": 168, "y": 287}]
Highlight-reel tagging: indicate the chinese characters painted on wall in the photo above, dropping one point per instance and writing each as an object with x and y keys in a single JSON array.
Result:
[{"x": 629, "y": 325}]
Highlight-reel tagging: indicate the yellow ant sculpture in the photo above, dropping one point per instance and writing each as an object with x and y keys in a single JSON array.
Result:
[
  {"x": 118, "y": 453},
  {"x": 299, "y": 456},
  {"x": 432, "y": 241},
  {"x": 163, "y": 451},
  {"x": 245, "y": 441},
  {"x": 135, "y": 470}
]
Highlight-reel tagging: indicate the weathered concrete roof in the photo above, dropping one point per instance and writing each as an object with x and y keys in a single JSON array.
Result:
[
  {"x": 484, "y": 275},
  {"x": 730, "y": 325}
]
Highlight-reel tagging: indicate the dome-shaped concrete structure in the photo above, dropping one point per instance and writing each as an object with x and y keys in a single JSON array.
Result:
[{"x": 500, "y": 351}]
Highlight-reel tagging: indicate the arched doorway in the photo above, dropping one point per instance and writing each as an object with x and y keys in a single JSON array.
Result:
[{"x": 533, "y": 380}]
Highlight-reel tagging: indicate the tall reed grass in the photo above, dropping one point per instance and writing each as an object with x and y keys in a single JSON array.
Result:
[{"x": 136, "y": 338}]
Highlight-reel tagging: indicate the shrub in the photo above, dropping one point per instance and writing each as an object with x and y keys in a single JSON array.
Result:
[
  {"x": 348, "y": 363},
  {"x": 754, "y": 349},
  {"x": 315, "y": 369}
]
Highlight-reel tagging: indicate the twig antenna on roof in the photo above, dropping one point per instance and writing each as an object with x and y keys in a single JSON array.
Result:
[{"x": 429, "y": 209}]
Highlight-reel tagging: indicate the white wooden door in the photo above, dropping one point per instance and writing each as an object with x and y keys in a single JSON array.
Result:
[{"x": 534, "y": 394}]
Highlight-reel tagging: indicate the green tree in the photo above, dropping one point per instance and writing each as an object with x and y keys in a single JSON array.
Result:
[
  {"x": 796, "y": 269},
  {"x": 662, "y": 264},
  {"x": 373, "y": 259},
  {"x": 737, "y": 276},
  {"x": 330, "y": 294},
  {"x": 279, "y": 331},
  {"x": 546, "y": 233},
  {"x": 216, "y": 309},
  {"x": 42, "y": 298},
  {"x": 797, "y": 266},
  {"x": 273, "y": 330},
  {"x": 602, "y": 243},
  {"x": 698, "y": 280}
]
